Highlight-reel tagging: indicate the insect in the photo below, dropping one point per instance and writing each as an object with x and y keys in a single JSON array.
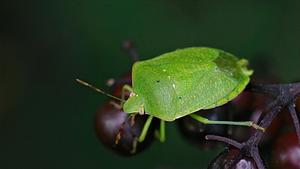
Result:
[{"x": 181, "y": 82}]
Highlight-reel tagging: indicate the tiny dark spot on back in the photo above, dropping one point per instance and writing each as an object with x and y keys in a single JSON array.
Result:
[
  {"x": 179, "y": 97},
  {"x": 157, "y": 81}
]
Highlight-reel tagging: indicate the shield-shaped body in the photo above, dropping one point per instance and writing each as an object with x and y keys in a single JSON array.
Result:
[{"x": 184, "y": 81}]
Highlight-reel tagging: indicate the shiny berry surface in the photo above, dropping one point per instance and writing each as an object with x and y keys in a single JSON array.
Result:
[
  {"x": 118, "y": 132},
  {"x": 232, "y": 159},
  {"x": 286, "y": 152}
]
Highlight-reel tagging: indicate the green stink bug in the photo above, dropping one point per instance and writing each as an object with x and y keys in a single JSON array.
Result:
[{"x": 182, "y": 82}]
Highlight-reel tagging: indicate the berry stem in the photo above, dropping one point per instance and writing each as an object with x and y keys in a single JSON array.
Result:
[
  {"x": 284, "y": 96},
  {"x": 225, "y": 140},
  {"x": 255, "y": 155},
  {"x": 295, "y": 119}
]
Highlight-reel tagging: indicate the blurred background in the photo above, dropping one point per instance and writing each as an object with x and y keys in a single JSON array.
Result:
[{"x": 46, "y": 119}]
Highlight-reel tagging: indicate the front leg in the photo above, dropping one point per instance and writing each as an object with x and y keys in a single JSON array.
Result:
[
  {"x": 126, "y": 88},
  {"x": 142, "y": 110},
  {"x": 145, "y": 129}
]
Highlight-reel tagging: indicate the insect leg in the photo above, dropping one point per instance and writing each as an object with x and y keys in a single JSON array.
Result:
[
  {"x": 134, "y": 146},
  {"x": 145, "y": 129},
  {"x": 162, "y": 134},
  {"x": 131, "y": 117},
  {"x": 124, "y": 89},
  {"x": 236, "y": 123}
]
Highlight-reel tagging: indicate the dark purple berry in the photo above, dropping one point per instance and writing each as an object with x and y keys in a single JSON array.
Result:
[
  {"x": 118, "y": 132},
  {"x": 195, "y": 132},
  {"x": 297, "y": 103},
  {"x": 232, "y": 158},
  {"x": 286, "y": 152}
]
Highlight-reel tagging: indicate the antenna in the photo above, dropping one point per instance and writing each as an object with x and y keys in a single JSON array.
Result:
[{"x": 98, "y": 90}]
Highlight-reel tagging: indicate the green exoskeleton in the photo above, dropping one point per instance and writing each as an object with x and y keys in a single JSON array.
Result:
[{"x": 181, "y": 82}]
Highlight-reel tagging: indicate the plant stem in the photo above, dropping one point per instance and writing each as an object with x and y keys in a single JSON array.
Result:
[{"x": 285, "y": 96}]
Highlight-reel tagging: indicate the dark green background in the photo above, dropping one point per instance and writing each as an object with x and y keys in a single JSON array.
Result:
[{"x": 46, "y": 119}]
